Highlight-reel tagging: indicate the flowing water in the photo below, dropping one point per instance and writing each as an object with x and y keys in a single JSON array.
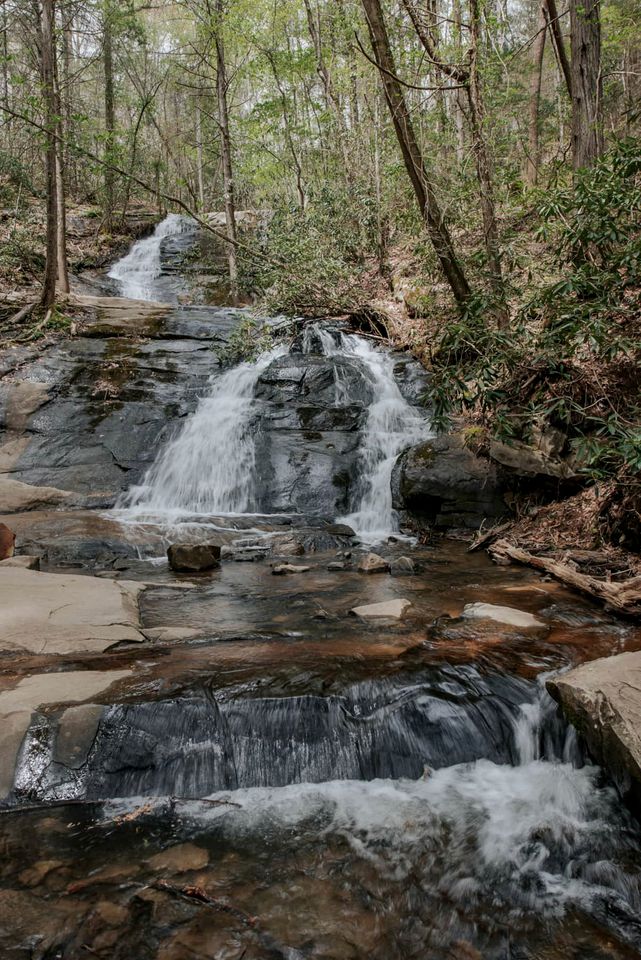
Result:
[{"x": 294, "y": 782}]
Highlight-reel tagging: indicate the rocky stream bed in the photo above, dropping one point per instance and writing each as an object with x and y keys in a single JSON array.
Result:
[{"x": 258, "y": 760}]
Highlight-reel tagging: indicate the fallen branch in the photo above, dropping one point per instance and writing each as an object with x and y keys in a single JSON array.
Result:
[
  {"x": 624, "y": 597},
  {"x": 485, "y": 539},
  {"x": 199, "y": 895}
]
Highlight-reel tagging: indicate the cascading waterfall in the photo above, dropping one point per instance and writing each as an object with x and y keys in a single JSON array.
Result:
[
  {"x": 209, "y": 467},
  {"x": 137, "y": 271}
]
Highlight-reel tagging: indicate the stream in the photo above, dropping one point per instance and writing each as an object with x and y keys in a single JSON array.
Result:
[{"x": 272, "y": 777}]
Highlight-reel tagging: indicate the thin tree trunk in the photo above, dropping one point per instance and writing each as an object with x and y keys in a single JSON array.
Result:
[
  {"x": 534, "y": 149},
  {"x": 484, "y": 172},
  {"x": 587, "y": 85},
  {"x": 226, "y": 154},
  {"x": 61, "y": 206},
  {"x": 330, "y": 94},
  {"x": 110, "y": 114},
  {"x": 559, "y": 45},
  {"x": 414, "y": 162},
  {"x": 48, "y": 79},
  {"x": 199, "y": 156}
]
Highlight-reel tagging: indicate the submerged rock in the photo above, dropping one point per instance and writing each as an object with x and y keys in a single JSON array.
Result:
[
  {"x": 444, "y": 483},
  {"x": 508, "y": 615},
  {"x": 282, "y": 568},
  {"x": 180, "y": 859},
  {"x": 603, "y": 701},
  {"x": 193, "y": 557},
  {"x": 402, "y": 567},
  {"x": 372, "y": 563},
  {"x": 386, "y": 610}
]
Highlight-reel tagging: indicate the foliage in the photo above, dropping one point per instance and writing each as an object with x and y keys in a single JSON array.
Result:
[
  {"x": 246, "y": 343},
  {"x": 571, "y": 359}
]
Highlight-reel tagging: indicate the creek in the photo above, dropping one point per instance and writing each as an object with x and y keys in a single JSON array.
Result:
[{"x": 338, "y": 788}]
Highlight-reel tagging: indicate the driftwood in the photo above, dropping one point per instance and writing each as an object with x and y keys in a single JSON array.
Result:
[
  {"x": 485, "y": 539},
  {"x": 624, "y": 597}
]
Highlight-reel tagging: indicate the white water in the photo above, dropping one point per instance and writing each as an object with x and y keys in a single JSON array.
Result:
[
  {"x": 392, "y": 426},
  {"x": 209, "y": 467},
  {"x": 138, "y": 270}
]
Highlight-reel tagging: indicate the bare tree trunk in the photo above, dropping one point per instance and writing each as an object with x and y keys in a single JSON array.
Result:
[
  {"x": 226, "y": 153},
  {"x": 587, "y": 85},
  {"x": 110, "y": 114},
  {"x": 534, "y": 157},
  {"x": 559, "y": 45},
  {"x": 199, "y": 156},
  {"x": 484, "y": 172},
  {"x": 330, "y": 94},
  {"x": 414, "y": 162},
  {"x": 48, "y": 79}
]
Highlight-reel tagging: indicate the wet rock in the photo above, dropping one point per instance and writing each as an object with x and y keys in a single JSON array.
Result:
[
  {"x": 34, "y": 875},
  {"x": 283, "y": 568},
  {"x": 76, "y": 733},
  {"x": 339, "y": 530},
  {"x": 402, "y": 567},
  {"x": 508, "y": 615},
  {"x": 170, "y": 634},
  {"x": 180, "y": 859},
  {"x": 335, "y": 566},
  {"x": 603, "y": 701},
  {"x": 7, "y": 542},
  {"x": 27, "y": 563},
  {"x": 193, "y": 557},
  {"x": 372, "y": 563},
  {"x": 289, "y": 546},
  {"x": 445, "y": 484},
  {"x": 386, "y": 610}
]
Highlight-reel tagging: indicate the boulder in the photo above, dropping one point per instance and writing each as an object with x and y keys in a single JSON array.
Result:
[
  {"x": 27, "y": 563},
  {"x": 387, "y": 610},
  {"x": 7, "y": 542},
  {"x": 288, "y": 546},
  {"x": 193, "y": 557},
  {"x": 402, "y": 567},
  {"x": 603, "y": 701},
  {"x": 526, "y": 461},
  {"x": 508, "y": 615},
  {"x": 372, "y": 563},
  {"x": 339, "y": 530},
  {"x": 282, "y": 568},
  {"x": 16, "y": 496},
  {"x": 445, "y": 484}
]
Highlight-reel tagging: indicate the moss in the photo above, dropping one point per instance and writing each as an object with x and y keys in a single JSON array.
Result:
[{"x": 424, "y": 453}]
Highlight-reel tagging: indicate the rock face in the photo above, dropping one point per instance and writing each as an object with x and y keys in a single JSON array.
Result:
[
  {"x": 603, "y": 701},
  {"x": 445, "y": 484},
  {"x": 193, "y": 557},
  {"x": 508, "y": 615},
  {"x": 372, "y": 563}
]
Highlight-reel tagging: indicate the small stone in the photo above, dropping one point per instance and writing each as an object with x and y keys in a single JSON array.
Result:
[
  {"x": 287, "y": 547},
  {"x": 508, "y": 615},
  {"x": 282, "y": 568},
  {"x": 402, "y": 567},
  {"x": 180, "y": 859},
  {"x": 193, "y": 557},
  {"x": 372, "y": 563},
  {"x": 387, "y": 610},
  {"x": 27, "y": 563},
  {"x": 335, "y": 565}
]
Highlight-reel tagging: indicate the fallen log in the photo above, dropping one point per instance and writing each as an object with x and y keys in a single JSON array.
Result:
[{"x": 624, "y": 596}]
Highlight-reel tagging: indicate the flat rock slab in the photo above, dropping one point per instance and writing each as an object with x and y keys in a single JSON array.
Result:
[
  {"x": 60, "y": 613},
  {"x": 387, "y": 610},
  {"x": 16, "y": 496},
  {"x": 603, "y": 701},
  {"x": 17, "y": 705},
  {"x": 508, "y": 615}
]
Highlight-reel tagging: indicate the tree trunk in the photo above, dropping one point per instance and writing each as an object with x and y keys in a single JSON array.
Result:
[
  {"x": 226, "y": 154},
  {"x": 534, "y": 158},
  {"x": 331, "y": 98},
  {"x": 414, "y": 162},
  {"x": 559, "y": 45},
  {"x": 199, "y": 156},
  {"x": 48, "y": 79},
  {"x": 484, "y": 172},
  {"x": 587, "y": 85},
  {"x": 110, "y": 114},
  {"x": 62, "y": 268}
]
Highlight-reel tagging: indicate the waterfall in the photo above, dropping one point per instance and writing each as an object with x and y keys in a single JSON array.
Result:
[
  {"x": 138, "y": 270},
  {"x": 392, "y": 426},
  {"x": 209, "y": 467}
]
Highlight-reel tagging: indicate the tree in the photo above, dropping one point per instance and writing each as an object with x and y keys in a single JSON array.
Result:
[
  {"x": 412, "y": 156},
  {"x": 587, "y": 83}
]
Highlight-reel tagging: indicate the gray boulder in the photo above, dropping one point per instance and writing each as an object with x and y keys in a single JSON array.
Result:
[{"x": 443, "y": 483}]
